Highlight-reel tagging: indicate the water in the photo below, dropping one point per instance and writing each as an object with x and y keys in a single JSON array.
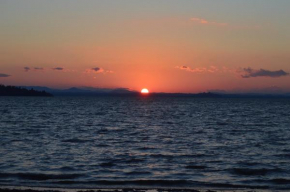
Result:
[{"x": 91, "y": 142}]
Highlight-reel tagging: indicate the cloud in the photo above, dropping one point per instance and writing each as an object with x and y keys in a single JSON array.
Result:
[
  {"x": 202, "y": 21},
  {"x": 211, "y": 69},
  {"x": 4, "y": 75},
  {"x": 58, "y": 69},
  {"x": 241, "y": 72},
  {"x": 38, "y": 68},
  {"x": 249, "y": 72},
  {"x": 206, "y": 22},
  {"x": 26, "y": 69},
  {"x": 98, "y": 70},
  {"x": 41, "y": 69}
]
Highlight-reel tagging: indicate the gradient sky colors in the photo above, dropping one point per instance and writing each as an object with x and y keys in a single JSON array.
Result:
[{"x": 164, "y": 45}]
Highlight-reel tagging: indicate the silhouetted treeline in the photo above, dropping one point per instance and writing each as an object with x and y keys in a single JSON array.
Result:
[{"x": 17, "y": 91}]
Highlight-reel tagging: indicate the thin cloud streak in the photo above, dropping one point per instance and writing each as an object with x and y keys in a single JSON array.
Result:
[
  {"x": 211, "y": 69},
  {"x": 206, "y": 22},
  {"x": 38, "y": 68},
  {"x": 42, "y": 69},
  {"x": 203, "y": 21},
  {"x": 58, "y": 69},
  {"x": 27, "y": 69},
  {"x": 4, "y": 75}
]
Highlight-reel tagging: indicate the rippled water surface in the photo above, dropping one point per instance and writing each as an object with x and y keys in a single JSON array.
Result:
[{"x": 145, "y": 142}]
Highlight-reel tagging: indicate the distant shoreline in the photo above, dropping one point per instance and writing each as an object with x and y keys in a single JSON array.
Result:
[{"x": 122, "y": 92}]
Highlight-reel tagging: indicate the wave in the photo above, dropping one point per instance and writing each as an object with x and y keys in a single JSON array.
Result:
[
  {"x": 72, "y": 179},
  {"x": 146, "y": 148},
  {"x": 222, "y": 123},
  {"x": 280, "y": 181},
  {"x": 133, "y": 160},
  {"x": 170, "y": 156},
  {"x": 283, "y": 155},
  {"x": 132, "y": 182},
  {"x": 160, "y": 183},
  {"x": 139, "y": 173},
  {"x": 39, "y": 177},
  {"x": 226, "y": 185},
  {"x": 107, "y": 164},
  {"x": 75, "y": 140},
  {"x": 195, "y": 167},
  {"x": 254, "y": 172},
  {"x": 67, "y": 168}
]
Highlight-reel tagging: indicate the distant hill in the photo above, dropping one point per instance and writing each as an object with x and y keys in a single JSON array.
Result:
[
  {"x": 84, "y": 91},
  {"x": 19, "y": 91}
]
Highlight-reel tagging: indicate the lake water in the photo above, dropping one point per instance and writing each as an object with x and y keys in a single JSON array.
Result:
[{"x": 92, "y": 142}]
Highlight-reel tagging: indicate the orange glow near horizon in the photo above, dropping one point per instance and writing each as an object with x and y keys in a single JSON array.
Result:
[
  {"x": 181, "y": 49},
  {"x": 144, "y": 91}
]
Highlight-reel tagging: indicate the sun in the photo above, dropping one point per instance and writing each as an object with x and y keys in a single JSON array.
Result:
[{"x": 144, "y": 91}]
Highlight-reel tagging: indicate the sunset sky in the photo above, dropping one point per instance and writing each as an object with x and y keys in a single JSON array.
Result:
[{"x": 163, "y": 45}]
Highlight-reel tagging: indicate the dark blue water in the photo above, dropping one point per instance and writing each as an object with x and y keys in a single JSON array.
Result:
[{"x": 91, "y": 142}]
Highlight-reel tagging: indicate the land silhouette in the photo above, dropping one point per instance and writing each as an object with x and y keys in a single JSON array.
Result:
[
  {"x": 19, "y": 91},
  {"x": 90, "y": 91}
]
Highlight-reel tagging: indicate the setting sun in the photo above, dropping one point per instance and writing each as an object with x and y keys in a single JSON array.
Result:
[{"x": 145, "y": 91}]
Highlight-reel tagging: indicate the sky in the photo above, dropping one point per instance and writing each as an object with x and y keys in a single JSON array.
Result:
[{"x": 184, "y": 46}]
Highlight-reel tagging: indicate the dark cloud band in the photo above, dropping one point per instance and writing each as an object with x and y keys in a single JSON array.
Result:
[
  {"x": 58, "y": 68},
  {"x": 96, "y": 69},
  {"x": 249, "y": 72},
  {"x": 4, "y": 75},
  {"x": 26, "y": 69}
]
